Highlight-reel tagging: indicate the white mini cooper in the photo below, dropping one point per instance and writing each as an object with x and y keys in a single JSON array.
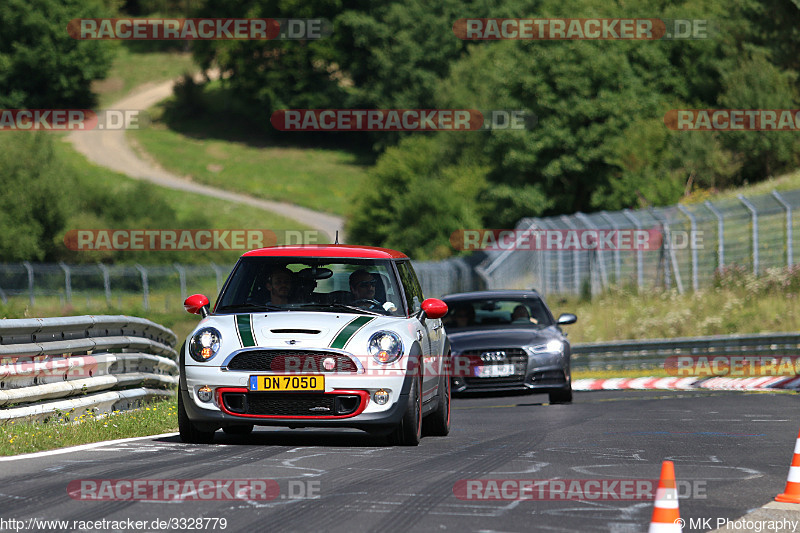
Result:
[{"x": 322, "y": 336}]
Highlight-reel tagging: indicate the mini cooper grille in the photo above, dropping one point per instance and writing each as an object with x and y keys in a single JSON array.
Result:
[
  {"x": 289, "y": 361},
  {"x": 291, "y": 405}
]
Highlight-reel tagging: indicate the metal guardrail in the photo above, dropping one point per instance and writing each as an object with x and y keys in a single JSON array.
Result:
[
  {"x": 652, "y": 353},
  {"x": 60, "y": 365}
]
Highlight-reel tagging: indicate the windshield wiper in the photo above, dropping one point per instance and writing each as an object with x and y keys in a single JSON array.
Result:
[
  {"x": 351, "y": 308},
  {"x": 258, "y": 307}
]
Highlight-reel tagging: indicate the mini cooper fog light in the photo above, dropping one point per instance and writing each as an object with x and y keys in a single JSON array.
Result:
[
  {"x": 204, "y": 393},
  {"x": 381, "y": 397},
  {"x": 329, "y": 363}
]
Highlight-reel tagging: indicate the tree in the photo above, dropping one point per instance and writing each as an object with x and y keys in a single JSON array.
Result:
[{"x": 41, "y": 66}]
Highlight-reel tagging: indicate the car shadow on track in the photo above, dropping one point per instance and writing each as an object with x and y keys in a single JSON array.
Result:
[{"x": 297, "y": 437}]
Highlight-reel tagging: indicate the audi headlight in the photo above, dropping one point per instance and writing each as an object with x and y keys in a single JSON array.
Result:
[
  {"x": 205, "y": 344},
  {"x": 553, "y": 347},
  {"x": 385, "y": 347}
]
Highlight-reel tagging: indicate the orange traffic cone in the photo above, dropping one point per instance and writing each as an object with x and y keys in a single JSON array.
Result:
[
  {"x": 791, "y": 494},
  {"x": 666, "y": 518}
]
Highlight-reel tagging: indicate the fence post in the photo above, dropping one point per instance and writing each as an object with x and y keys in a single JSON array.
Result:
[
  {"x": 182, "y": 276},
  {"x": 145, "y": 287},
  {"x": 720, "y": 234},
  {"x": 617, "y": 263},
  {"x": 598, "y": 250},
  {"x": 754, "y": 212},
  {"x": 67, "y": 280},
  {"x": 670, "y": 251},
  {"x": 693, "y": 226},
  {"x": 639, "y": 259},
  {"x": 106, "y": 282},
  {"x": 29, "y": 269},
  {"x": 788, "y": 207},
  {"x": 218, "y": 275},
  {"x": 559, "y": 259},
  {"x": 576, "y": 270}
]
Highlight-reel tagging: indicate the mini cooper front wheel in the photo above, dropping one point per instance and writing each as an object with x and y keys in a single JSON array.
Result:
[
  {"x": 409, "y": 431},
  {"x": 437, "y": 423},
  {"x": 189, "y": 433}
]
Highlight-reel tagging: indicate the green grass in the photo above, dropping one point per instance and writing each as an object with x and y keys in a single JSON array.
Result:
[
  {"x": 188, "y": 208},
  {"x": 620, "y": 314},
  {"x": 217, "y": 148},
  {"x": 786, "y": 182},
  {"x": 132, "y": 69},
  {"x": 154, "y": 418},
  {"x": 609, "y": 374}
]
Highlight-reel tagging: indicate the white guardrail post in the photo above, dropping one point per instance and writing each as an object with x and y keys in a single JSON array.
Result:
[{"x": 67, "y": 364}]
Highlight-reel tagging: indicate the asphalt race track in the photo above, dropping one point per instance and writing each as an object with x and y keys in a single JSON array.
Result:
[{"x": 732, "y": 448}]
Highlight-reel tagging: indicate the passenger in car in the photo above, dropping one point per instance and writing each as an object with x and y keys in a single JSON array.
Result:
[
  {"x": 280, "y": 286},
  {"x": 463, "y": 316}
]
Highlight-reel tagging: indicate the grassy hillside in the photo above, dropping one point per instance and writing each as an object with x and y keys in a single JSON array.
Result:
[
  {"x": 215, "y": 146},
  {"x": 132, "y": 70}
]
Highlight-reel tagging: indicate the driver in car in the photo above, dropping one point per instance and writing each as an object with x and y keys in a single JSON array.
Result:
[{"x": 362, "y": 285}]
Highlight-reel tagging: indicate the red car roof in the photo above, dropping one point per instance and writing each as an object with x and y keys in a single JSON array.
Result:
[{"x": 327, "y": 250}]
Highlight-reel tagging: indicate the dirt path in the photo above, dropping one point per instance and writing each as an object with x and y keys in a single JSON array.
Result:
[{"x": 111, "y": 149}]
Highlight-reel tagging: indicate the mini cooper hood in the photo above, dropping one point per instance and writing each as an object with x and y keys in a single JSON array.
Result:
[
  {"x": 298, "y": 328},
  {"x": 496, "y": 338}
]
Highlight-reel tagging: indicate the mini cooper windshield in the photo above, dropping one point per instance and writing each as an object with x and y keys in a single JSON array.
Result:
[{"x": 311, "y": 284}]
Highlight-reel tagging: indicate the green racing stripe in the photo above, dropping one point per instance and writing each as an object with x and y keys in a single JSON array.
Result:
[
  {"x": 349, "y": 330},
  {"x": 245, "y": 330}
]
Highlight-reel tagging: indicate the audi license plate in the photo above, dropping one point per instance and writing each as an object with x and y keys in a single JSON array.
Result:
[
  {"x": 494, "y": 371},
  {"x": 287, "y": 383}
]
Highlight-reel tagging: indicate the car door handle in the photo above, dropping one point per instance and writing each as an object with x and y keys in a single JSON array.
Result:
[
  {"x": 437, "y": 326},
  {"x": 419, "y": 335}
]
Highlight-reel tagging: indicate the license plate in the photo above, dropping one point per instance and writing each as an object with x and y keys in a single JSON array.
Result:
[
  {"x": 286, "y": 383},
  {"x": 494, "y": 371}
]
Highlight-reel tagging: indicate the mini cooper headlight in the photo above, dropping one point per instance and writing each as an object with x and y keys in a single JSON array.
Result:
[
  {"x": 205, "y": 344},
  {"x": 553, "y": 346},
  {"x": 385, "y": 347}
]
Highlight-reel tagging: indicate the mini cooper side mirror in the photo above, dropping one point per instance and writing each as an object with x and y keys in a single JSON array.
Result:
[
  {"x": 567, "y": 318},
  {"x": 434, "y": 308},
  {"x": 197, "y": 304}
]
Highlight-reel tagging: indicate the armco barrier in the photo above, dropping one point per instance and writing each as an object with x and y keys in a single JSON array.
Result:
[
  {"x": 104, "y": 363},
  {"x": 652, "y": 353}
]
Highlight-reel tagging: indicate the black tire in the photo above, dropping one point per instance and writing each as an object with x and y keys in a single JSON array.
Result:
[
  {"x": 238, "y": 430},
  {"x": 437, "y": 424},
  {"x": 562, "y": 396},
  {"x": 189, "y": 433},
  {"x": 409, "y": 431}
]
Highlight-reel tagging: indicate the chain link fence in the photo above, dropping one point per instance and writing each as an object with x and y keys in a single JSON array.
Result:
[
  {"x": 696, "y": 240},
  {"x": 164, "y": 287}
]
